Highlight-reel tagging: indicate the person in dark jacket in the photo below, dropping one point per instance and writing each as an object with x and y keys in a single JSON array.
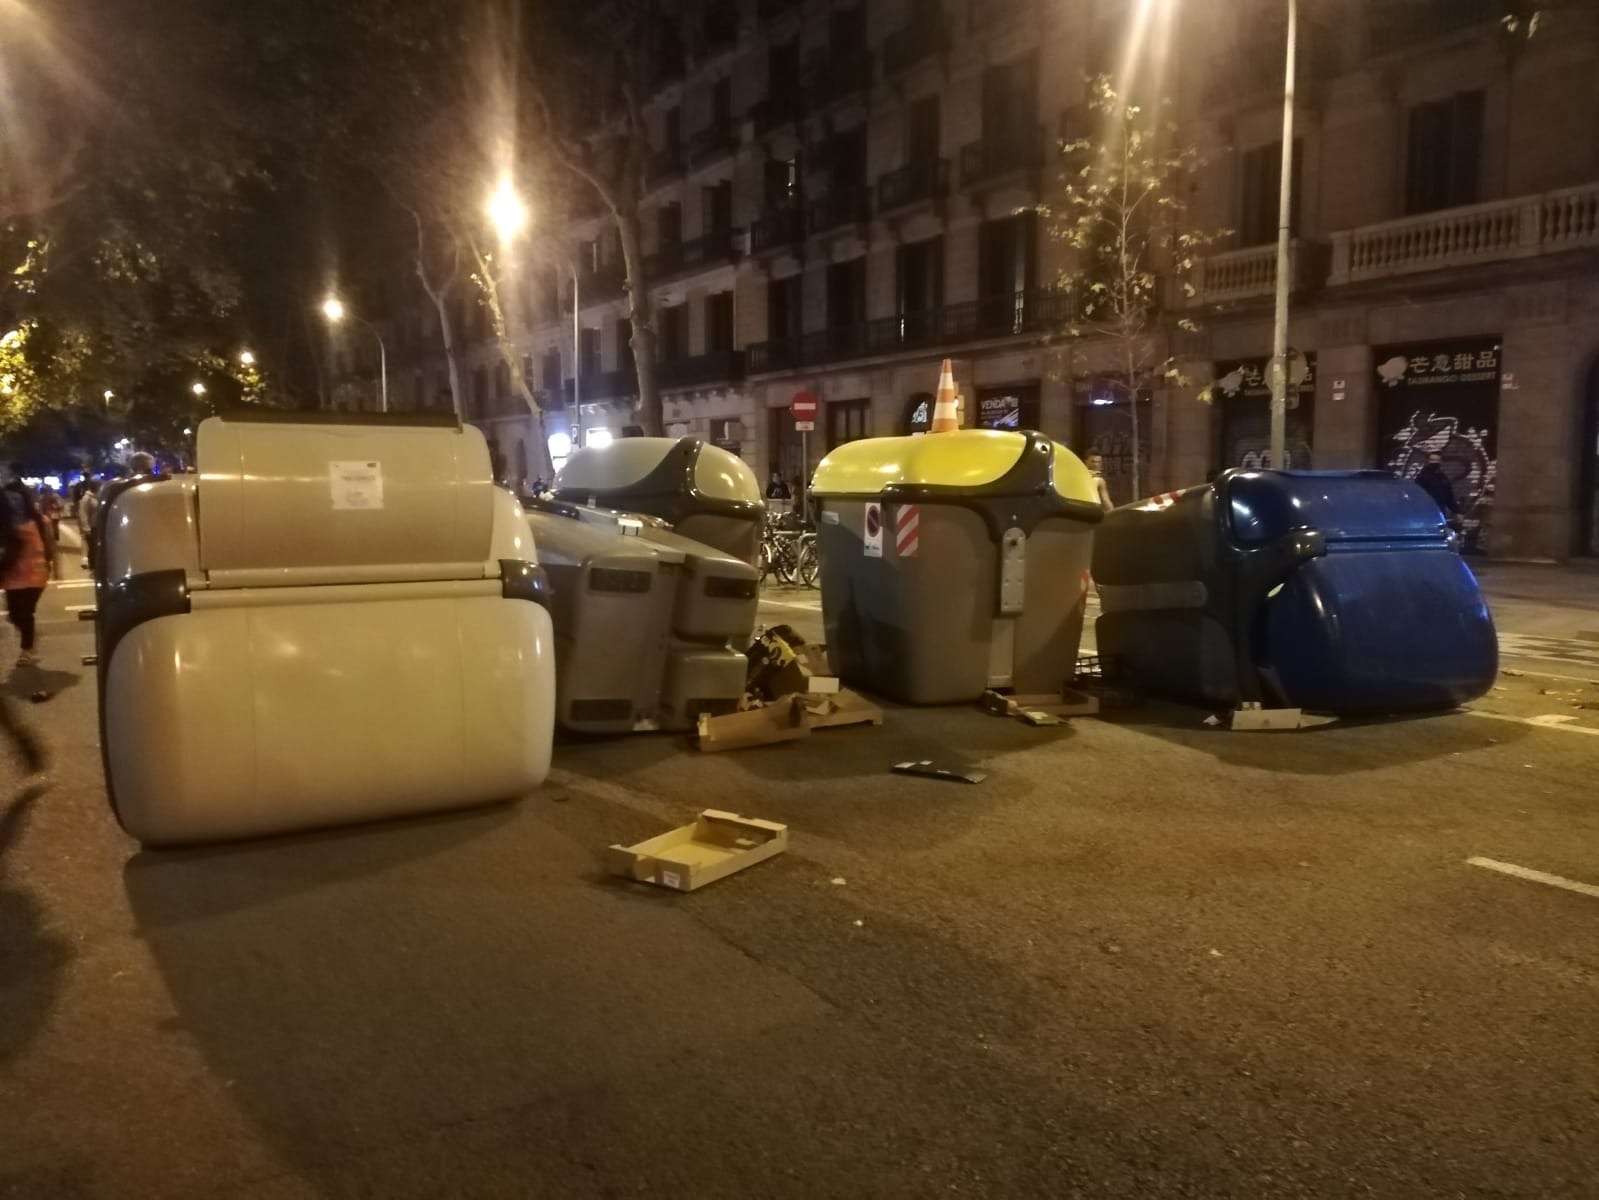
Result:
[{"x": 1435, "y": 483}]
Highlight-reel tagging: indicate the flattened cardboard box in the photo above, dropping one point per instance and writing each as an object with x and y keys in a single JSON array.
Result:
[{"x": 715, "y": 846}]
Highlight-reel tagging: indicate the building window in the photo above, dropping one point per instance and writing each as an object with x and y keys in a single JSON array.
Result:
[
  {"x": 672, "y": 333},
  {"x": 1443, "y": 153},
  {"x": 588, "y": 351},
  {"x": 1259, "y": 190},
  {"x": 719, "y": 323},
  {"x": 552, "y": 371},
  {"x": 848, "y": 421},
  {"x": 920, "y": 279},
  {"x": 480, "y": 392},
  {"x": 923, "y": 131}
]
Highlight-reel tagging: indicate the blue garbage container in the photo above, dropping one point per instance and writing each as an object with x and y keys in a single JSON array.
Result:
[{"x": 1337, "y": 592}]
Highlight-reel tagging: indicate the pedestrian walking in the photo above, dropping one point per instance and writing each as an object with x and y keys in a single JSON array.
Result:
[
  {"x": 1432, "y": 480},
  {"x": 51, "y": 507},
  {"x": 776, "y": 489},
  {"x": 1096, "y": 468},
  {"x": 27, "y": 560},
  {"x": 88, "y": 506}
]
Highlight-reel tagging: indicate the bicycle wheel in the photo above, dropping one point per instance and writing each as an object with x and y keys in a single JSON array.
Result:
[
  {"x": 785, "y": 561},
  {"x": 809, "y": 564}
]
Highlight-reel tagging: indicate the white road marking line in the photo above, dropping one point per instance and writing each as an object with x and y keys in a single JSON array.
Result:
[
  {"x": 73, "y": 583},
  {"x": 816, "y": 607},
  {"x": 1533, "y": 722},
  {"x": 1504, "y": 868}
]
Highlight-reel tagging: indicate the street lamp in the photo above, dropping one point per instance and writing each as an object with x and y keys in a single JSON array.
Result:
[
  {"x": 197, "y": 388},
  {"x": 333, "y": 309},
  {"x": 1279, "y": 341},
  {"x": 246, "y": 358},
  {"x": 506, "y": 210}
]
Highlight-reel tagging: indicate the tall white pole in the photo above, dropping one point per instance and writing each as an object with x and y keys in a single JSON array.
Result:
[
  {"x": 383, "y": 369},
  {"x": 1279, "y": 348},
  {"x": 574, "y": 419}
]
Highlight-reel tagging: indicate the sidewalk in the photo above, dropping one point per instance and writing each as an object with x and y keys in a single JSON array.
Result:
[{"x": 1547, "y": 600}]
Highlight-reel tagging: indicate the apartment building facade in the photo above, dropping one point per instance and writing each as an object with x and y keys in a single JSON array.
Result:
[{"x": 843, "y": 193}]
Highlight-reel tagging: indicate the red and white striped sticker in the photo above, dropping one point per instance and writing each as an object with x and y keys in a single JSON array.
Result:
[
  {"x": 907, "y": 530},
  {"x": 1164, "y": 500}
]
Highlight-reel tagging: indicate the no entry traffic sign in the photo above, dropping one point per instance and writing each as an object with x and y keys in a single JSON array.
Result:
[
  {"x": 803, "y": 410},
  {"x": 872, "y": 533}
]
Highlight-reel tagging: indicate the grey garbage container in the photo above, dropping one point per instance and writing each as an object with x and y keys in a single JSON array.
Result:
[
  {"x": 650, "y": 626},
  {"x": 703, "y": 491},
  {"x": 952, "y": 563},
  {"x": 329, "y": 623}
]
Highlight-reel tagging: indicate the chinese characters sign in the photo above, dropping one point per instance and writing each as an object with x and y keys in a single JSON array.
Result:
[
  {"x": 1243, "y": 391},
  {"x": 1443, "y": 398}
]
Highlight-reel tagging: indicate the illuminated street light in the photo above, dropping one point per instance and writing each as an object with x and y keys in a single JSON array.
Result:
[
  {"x": 187, "y": 431},
  {"x": 108, "y": 393},
  {"x": 247, "y": 358},
  {"x": 197, "y": 388},
  {"x": 507, "y": 211},
  {"x": 1279, "y": 371},
  {"x": 333, "y": 309}
]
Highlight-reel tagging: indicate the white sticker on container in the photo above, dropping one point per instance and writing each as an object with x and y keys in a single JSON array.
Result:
[
  {"x": 356, "y": 485},
  {"x": 829, "y": 517},
  {"x": 671, "y": 879}
]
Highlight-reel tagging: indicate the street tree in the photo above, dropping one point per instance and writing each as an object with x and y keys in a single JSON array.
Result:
[
  {"x": 587, "y": 71},
  {"x": 1122, "y": 213}
]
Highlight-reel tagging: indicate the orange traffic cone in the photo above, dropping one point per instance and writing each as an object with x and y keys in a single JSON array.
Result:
[{"x": 946, "y": 411}]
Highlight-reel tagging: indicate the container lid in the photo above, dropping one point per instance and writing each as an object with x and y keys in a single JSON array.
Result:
[
  {"x": 966, "y": 462},
  {"x": 659, "y": 467},
  {"x": 1265, "y": 506},
  {"x": 281, "y": 493}
]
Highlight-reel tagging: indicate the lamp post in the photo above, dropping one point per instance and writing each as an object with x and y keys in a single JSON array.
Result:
[
  {"x": 1279, "y": 341},
  {"x": 508, "y": 213},
  {"x": 333, "y": 309}
]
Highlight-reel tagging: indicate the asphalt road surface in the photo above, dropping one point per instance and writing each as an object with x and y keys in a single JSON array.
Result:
[{"x": 1144, "y": 958}]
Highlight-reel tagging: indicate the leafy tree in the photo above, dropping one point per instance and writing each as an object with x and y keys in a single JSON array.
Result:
[
  {"x": 587, "y": 73},
  {"x": 1122, "y": 211}
]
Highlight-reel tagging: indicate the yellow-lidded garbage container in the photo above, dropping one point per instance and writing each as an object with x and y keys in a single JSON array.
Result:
[
  {"x": 706, "y": 493},
  {"x": 953, "y": 563}
]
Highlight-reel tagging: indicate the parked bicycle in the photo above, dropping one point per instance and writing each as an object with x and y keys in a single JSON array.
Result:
[{"x": 788, "y": 552}]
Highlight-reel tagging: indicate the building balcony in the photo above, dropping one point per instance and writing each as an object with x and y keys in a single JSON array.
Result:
[
  {"x": 1395, "y": 25},
  {"x": 712, "y": 249},
  {"x": 841, "y": 206},
  {"x": 720, "y": 29},
  {"x": 664, "y": 261},
  {"x": 596, "y": 285},
  {"x": 664, "y": 164},
  {"x": 779, "y": 108},
  {"x": 832, "y": 76},
  {"x": 983, "y": 15},
  {"x": 914, "y": 183},
  {"x": 703, "y": 370},
  {"x": 604, "y": 385},
  {"x": 779, "y": 227},
  {"x": 716, "y": 141},
  {"x": 918, "y": 41},
  {"x": 1477, "y": 234},
  {"x": 1248, "y": 274},
  {"x": 1017, "y": 314},
  {"x": 1001, "y": 155}
]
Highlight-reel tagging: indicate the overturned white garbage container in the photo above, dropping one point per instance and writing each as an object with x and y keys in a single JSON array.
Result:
[{"x": 331, "y": 623}]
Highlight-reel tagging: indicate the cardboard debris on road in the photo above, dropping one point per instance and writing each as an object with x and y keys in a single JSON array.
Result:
[
  {"x": 1252, "y": 718},
  {"x": 929, "y": 769},
  {"x": 791, "y": 691},
  {"x": 1044, "y": 709},
  {"x": 715, "y": 846}
]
